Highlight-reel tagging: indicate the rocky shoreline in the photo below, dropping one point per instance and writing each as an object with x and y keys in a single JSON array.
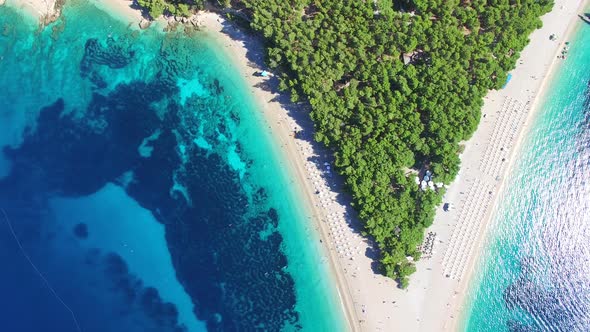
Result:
[
  {"x": 47, "y": 11},
  {"x": 52, "y": 15}
]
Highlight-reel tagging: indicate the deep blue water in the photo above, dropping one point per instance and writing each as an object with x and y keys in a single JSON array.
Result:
[{"x": 138, "y": 191}]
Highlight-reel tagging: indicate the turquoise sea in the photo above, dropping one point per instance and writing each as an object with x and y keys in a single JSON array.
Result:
[
  {"x": 535, "y": 275},
  {"x": 140, "y": 189}
]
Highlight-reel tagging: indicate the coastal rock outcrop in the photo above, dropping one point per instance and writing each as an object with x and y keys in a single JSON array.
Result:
[
  {"x": 194, "y": 20},
  {"x": 187, "y": 22},
  {"x": 144, "y": 24},
  {"x": 51, "y": 12},
  {"x": 48, "y": 11}
]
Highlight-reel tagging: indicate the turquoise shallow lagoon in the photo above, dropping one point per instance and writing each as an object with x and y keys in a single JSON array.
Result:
[
  {"x": 142, "y": 189},
  {"x": 535, "y": 275}
]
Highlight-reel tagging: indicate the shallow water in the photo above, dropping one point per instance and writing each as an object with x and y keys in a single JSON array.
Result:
[
  {"x": 142, "y": 190},
  {"x": 535, "y": 275}
]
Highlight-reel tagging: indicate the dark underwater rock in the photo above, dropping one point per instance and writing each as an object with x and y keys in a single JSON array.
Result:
[{"x": 81, "y": 231}]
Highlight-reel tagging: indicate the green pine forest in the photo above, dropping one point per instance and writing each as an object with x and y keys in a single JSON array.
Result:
[
  {"x": 394, "y": 87},
  {"x": 157, "y": 8}
]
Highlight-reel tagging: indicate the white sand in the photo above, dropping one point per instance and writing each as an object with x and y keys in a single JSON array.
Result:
[
  {"x": 433, "y": 302},
  {"x": 121, "y": 10},
  {"x": 39, "y": 9}
]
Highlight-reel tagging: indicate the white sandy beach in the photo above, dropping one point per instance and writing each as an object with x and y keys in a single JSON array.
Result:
[
  {"x": 433, "y": 302},
  {"x": 121, "y": 10},
  {"x": 43, "y": 9}
]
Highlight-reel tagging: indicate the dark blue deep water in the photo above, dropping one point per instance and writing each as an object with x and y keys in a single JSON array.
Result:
[{"x": 136, "y": 192}]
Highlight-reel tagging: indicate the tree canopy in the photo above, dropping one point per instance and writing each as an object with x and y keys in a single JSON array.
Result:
[
  {"x": 394, "y": 86},
  {"x": 157, "y": 8}
]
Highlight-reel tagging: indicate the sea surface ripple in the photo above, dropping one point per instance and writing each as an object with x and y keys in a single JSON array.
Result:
[{"x": 535, "y": 274}]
